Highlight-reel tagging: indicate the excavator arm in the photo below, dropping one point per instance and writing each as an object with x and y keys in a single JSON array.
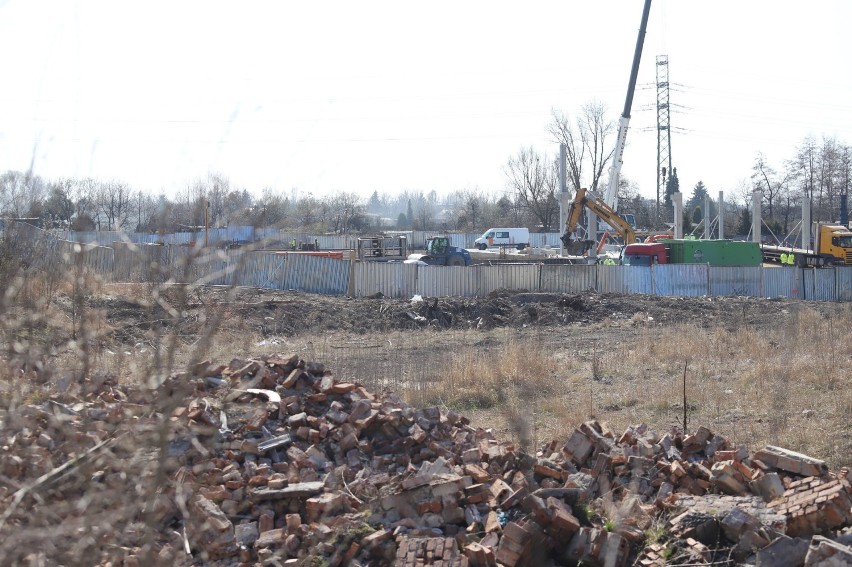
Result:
[{"x": 587, "y": 200}]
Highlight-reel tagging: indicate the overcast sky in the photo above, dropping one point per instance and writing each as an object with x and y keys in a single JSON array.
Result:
[{"x": 360, "y": 96}]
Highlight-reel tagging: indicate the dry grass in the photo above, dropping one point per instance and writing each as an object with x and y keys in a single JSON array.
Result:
[{"x": 787, "y": 386}]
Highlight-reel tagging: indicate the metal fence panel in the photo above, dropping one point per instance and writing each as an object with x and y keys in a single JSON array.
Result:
[
  {"x": 257, "y": 269},
  {"x": 825, "y": 281},
  {"x": 637, "y": 279},
  {"x": 458, "y": 281},
  {"x": 780, "y": 281},
  {"x": 315, "y": 274},
  {"x": 735, "y": 280},
  {"x": 390, "y": 279},
  {"x": 687, "y": 280},
  {"x": 808, "y": 283},
  {"x": 611, "y": 279},
  {"x": 518, "y": 277},
  {"x": 417, "y": 239},
  {"x": 270, "y": 270},
  {"x": 538, "y": 239},
  {"x": 562, "y": 278},
  {"x": 219, "y": 268},
  {"x": 844, "y": 283},
  {"x": 477, "y": 281},
  {"x": 819, "y": 284},
  {"x": 624, "y": 279},
  {"x": 139, "y": 263},
  {"x": 99, "y": 258},
  {"x": 185, "y": 264},
  {"x": 68, "y": 253}
]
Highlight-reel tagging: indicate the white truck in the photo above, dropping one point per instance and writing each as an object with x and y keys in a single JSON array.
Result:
[{"x": 515, "y": 237}]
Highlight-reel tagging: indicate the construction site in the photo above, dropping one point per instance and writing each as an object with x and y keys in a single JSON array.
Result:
[
  {"x": 224, "y": 426},
  {"x": 606, "y": 396}
]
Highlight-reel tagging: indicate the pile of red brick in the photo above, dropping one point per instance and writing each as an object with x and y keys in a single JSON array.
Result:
[{"x": 273, "y": 461}]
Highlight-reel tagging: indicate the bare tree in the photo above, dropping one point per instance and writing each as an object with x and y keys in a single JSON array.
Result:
[
  {"x": 218, "y": 186},
  {"x": 145, "y": 210},
  {"x": 21, "y": 193},
  {"x": 271, "y": 209},
  {"x": 471, "y": 208},
  {"x": 422, "y": 211},
  {"x": 84, "y": 193},
  {"x": 59, "y": 208},
  {"x": 788, "y": 202},
  {"x": 344, "y": 212},
  {"x": 115, "y": 203},
  {"x": 533, "y": 178},
  {"x": 765, "y": 178},
  {"x": 845, "y": 169},
  {"x": 632, "y": 201},
  {"x": 586, "y": 140},
  {"x": 236, "y": 206},
  {"x": 831, "y": 176},
  {"x": 306, "y": 213},
  {"x": 804, "y": 169}
]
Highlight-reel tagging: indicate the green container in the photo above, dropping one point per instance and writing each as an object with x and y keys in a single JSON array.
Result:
[{"x": 714, "y": 252}]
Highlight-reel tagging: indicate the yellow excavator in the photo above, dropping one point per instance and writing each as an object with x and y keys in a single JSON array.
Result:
[{"x": 583, "y": 200}]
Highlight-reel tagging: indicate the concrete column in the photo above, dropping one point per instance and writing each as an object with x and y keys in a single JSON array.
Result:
[
  {"x": 721, "y": 208},
  {"x": 593, "y": 234},
  {"x": 563, "y": 193},
  {"x": 806, "y": 221},
  {"x": 707, "y": 216},
  {"x": 756, "y": 198},
  {"x": 677, "y": 202}
]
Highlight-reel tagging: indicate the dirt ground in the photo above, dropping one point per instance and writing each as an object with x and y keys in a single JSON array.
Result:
[
  {"x": 611, "y": 357},
  {"x": 273, "y": 313}
]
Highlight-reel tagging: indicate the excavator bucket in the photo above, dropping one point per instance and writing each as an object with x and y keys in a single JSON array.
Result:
[{"x": 577, "y": 247}]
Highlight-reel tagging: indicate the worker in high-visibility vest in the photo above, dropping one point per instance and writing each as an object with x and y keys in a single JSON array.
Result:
[{"x": 783, "y": 258}]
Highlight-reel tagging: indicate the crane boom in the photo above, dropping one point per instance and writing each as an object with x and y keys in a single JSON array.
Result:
[{"x": 611, "y": 192}]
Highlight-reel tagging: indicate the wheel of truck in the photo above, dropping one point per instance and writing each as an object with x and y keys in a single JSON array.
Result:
[
  {"x": 521, "y": 246},
  {"x": 455, "y": 261},
  {"x": 482, "y": 246}
]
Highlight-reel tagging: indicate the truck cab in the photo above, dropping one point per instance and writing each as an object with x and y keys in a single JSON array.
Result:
[
  {"x": 835, "y": 241},
  {"x": 644, "y": 254}
]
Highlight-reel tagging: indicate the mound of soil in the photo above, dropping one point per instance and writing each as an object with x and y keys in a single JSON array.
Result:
[{"x": 292, "y": 314}]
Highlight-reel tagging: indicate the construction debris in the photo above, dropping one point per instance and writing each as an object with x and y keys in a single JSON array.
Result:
[{"x": 272, "y": 461}]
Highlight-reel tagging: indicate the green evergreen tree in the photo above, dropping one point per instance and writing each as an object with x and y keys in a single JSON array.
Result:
[
  {"x": 687, "y": 223},
  {"x": 699, "y": 193},
  {"x": 697, "y": 215},
  {"x": 672, "y": 187}
]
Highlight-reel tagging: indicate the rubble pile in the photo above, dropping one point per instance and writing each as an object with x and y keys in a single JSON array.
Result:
[{"x": 273, "y": 461}]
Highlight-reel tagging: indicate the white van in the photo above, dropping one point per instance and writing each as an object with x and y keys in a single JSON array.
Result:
[{"x": 516, "y": 237}]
